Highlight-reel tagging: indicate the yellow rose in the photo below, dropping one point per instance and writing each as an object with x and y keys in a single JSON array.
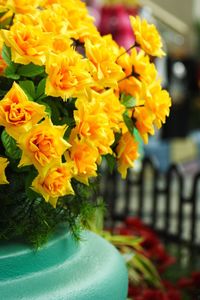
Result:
[
  {"x": 92, "y": 122},
  {"x": 147, "y": 36},
  {"x": 158, "y": 101},
  {"x": 28, "y": 43},
  {"x": 3, "y": 165},
  {"x": 143, "y": 68},
  {"x": 84, "y": 155},
  {"x": 61, "y": 43},
  {"x": 104, "y": 69},
  {"x": 67, "y": 74},
  {"x": 42, "y": 145},
  {"x": 54, "y": 183},
  {"x": 17, "y": 113},
  {"x": 131, "y": 86},
  {"x": 127, "y": 152},
  {"x": 23, "y": 6},
  {"x": 144, "y": 121},
  {"x": 113, "y": 108},
  {"x": 48, "y": 17}
]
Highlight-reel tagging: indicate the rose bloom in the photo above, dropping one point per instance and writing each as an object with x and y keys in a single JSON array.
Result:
[
  {"x": 17, "y": 113},
  {"x": 67, "y": 73},
  {"x": 3, "y": 165},
  {"x": 84, "y": 155},
  {"x": 48, "y": 16},
  {"x": 93, "y": 123},
  {"x": 104, "y": 69},
  {"x": 147, "y": 36},
  {"x": 28, "y": 43},
  {"x": 113, "y": 108},
  {"x": 144, "y": 122},
  {"x": 142, "y": 66},
  {"x": 23, "y": 6},
  {"x": 54, "y": 183},
  {"x": 127, "y": 152},
  {"x": 42, "y": 145},
  {"x": 159, "y": 102}
]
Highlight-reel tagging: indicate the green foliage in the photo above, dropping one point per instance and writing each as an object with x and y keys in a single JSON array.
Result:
[
  {"x": 11, "y": 70},
  {"x": 40, "y": 91},
  {"x": 110, "y": 159},
  {"x": 25, "y": 214},
  {"x": 6, "y": 54},
  {"x": 30, "y": 70},
  {"x": 128, "y": 101},
  {"x": 129, "y": 122},
  {"x": 11, "y": 149},
  {"x": 29, "y": 88}
]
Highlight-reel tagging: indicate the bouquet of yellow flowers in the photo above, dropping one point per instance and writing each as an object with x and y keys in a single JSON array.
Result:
[{"x": 69, "y": 98}]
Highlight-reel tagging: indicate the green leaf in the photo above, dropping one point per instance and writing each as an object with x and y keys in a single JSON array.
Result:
[
  {"x": 129, "y": 122},
  {"x": 10, "y": 146},
  {"x": 2, "y": 93},
  {"x": 146, "y": 267},
  {"x": 111, "y": 162},
  {"x": 40, "y": 91},
  {"x": 54, "y": 108},
  {"x": 6, "y": 54},
  {"x": 30, "y": 70},
  {"x": 28, "y": 87},
  {"x": 31, "y": 194},
  {"x": 128, "y": 101},
  {"x": 47, "y": 107},
  {"x": 10, "y": 71}
]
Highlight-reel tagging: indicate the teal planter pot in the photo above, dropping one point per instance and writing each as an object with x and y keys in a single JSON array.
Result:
[{"x": 91, "y": 269}]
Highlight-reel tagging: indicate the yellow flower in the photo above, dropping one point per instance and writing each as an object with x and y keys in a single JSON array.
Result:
[
  {"x": 42, "y": 145},
  {"x": 127, "y": 153},
  {"x": 48, "y": 16},
  {"x": 93, "y": 123},
  {"x": 23, "y": 6},
  {"x": 147, "y": 36},
  {"x": 54, "y": 183},
  {"x": 17, "y": 113},
  {"x": 143, "y": 74},
  {"x": 28, "y": 19},
  {"x": 144, "y": 121},
  {"x": 84, "y": 29},
  {"x": 61, "y": 43},
  {"x": 67, "y": 74},
  {"x": 105, "y": 71},
  {"x": 80, "y": 23},
  {"x": 131, "y": 86},
  {"x": 142, "y": 67},
  {"x": 113, "y": 108},
  {"x": 124, "y": 60},
  {"x": 159, "y": 102},
  {"x": 3, "y": 165},
  {"x": 84, "y": 155},
  {"x": 28, "y": 43}
]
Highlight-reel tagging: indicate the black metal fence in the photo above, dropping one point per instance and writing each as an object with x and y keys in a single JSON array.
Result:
[{"x": 168, "y": 202}]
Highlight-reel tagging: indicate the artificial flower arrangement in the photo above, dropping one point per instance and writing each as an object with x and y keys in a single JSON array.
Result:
[{"x": 69, "y": 98}]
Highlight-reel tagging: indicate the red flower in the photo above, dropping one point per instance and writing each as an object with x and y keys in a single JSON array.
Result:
[
  {"x": 151, "y": 294},
  {"x": 174, "y": 295},
  {"x": 196, "y": 279},
  {"x": 185, "y": 283}
]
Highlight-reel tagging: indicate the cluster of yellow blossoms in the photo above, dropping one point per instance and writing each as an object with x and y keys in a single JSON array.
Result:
[{"x": 115, "y": 91}]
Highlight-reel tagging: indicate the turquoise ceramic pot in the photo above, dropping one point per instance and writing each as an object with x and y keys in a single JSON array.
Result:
[{"x": 63, "y": 269}]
